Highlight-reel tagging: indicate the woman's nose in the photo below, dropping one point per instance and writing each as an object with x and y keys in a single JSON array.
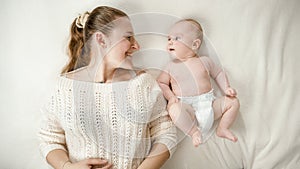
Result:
[{"x": 135, "y": 45}]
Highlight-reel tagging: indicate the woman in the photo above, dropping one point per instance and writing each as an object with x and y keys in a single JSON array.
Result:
[{"x": 104, "y": 114}]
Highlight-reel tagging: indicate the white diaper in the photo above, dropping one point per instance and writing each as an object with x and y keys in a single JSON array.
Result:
[{"x": 203, "y": 111}]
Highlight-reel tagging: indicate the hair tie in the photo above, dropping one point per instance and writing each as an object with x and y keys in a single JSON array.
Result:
[{"x": 81, "y": 20}]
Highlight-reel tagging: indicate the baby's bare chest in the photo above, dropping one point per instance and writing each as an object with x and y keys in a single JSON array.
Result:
[{"x": 182, "y": 72}]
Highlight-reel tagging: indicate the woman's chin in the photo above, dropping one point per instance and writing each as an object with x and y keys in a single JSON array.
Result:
[{"x": 126, "y": 64}]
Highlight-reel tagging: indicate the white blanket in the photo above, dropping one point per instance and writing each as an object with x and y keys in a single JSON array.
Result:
[{"x": 256, "y": 41}]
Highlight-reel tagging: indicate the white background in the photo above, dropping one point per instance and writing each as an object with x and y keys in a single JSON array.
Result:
[{"x": 258, "y": 42}]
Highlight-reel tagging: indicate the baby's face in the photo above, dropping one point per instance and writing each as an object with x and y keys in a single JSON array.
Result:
[{"x": 180, "y": 40}]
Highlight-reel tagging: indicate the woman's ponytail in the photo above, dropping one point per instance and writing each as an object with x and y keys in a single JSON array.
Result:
[{"x": 75, "y": 46}]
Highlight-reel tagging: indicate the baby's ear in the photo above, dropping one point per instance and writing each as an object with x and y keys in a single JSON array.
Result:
[{"x": 196, "y": 44}]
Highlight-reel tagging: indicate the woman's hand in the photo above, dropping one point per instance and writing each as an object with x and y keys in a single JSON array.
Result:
[{"x": 93, "y": 163}]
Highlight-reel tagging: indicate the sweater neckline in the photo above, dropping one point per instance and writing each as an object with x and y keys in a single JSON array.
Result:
[{"x": 67, "y": 80}]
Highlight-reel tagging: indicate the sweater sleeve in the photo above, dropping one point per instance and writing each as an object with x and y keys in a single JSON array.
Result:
[
  {"x": 51, "y": 135},
  {"x": 162, "y": 129}
]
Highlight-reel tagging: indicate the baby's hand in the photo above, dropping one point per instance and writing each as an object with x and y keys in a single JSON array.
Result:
[{"x": 230, "y": 92}]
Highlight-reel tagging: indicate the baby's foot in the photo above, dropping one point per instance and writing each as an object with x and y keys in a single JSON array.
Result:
[
  {"x": 196, "y": 137},
  {"x": 225, "y": 133}
]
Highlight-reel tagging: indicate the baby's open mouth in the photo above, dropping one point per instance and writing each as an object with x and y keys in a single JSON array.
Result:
[{"x": 128, "y": 54}]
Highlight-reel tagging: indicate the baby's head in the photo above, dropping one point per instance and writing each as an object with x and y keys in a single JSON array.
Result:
[{"x": 185, "y": 38}]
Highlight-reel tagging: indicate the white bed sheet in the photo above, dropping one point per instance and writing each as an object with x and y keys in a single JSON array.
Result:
[{"x": 256, "y": 41}]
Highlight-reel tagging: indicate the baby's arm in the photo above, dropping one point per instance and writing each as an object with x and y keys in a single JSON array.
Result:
[
  {"x": 164, "y": 83},
  {"x": 223, "y": 83},
  {"x": 219, "y": 75}
]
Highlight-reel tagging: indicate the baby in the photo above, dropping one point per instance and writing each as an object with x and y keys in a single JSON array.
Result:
[{"x": 187, "y": 79}]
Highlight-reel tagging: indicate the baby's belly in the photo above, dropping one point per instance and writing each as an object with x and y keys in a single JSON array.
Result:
[{"x": 190, "y": 91}]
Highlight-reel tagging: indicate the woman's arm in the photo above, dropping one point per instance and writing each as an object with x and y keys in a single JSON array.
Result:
[
  {"x": 53, "y": 143},
  {"x": 52, "y": 138},
  {"x": 162, "y": 133},
  {"x": 59, "y": 159},
  {"x": 158, "y": 156},
  {"x": 51, "y": 134}
]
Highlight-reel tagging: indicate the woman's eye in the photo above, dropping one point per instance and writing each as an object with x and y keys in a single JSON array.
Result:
[{"x": 129, "y": 38}]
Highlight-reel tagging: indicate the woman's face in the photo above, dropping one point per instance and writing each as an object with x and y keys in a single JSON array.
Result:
[{"x": 122, "y": 44}]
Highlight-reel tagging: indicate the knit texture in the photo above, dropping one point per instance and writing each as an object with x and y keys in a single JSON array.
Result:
[{"x": 117, "y": 121}]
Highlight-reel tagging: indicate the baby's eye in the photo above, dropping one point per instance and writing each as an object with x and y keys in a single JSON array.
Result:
[{"x": 177, "y": 38}]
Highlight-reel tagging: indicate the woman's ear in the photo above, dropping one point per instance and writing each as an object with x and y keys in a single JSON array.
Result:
[
  {"x": 101, "y": 40},
  {"x": 196, "y": 44}
]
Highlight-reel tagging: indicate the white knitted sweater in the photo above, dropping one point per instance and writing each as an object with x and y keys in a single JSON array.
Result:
[{"x": 117, "y": 121}]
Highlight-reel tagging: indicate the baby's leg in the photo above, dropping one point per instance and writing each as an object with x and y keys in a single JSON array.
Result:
[
  {"x": 226, "y": 108},
  {"x": 183, "y": 117}
]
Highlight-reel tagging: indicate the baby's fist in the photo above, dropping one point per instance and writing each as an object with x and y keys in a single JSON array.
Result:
[{"x": 230, "y": 92}]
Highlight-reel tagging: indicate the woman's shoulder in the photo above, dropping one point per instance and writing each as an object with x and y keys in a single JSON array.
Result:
[
  {"x": 79, "y": 74},
  {"x": 77, "y": 78},
  {"x": 148, "y": 79},
  {"x": 143, "y": 76}
]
